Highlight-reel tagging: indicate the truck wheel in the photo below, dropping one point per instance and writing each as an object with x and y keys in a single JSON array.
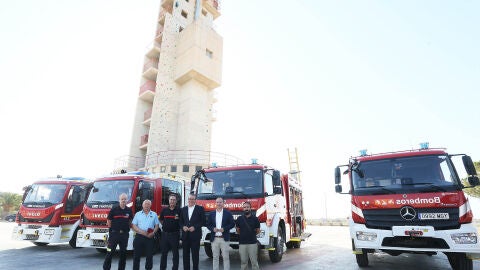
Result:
[
  {"x": 362, "y": 259},
  {"x": 290, "y": 244},
  {"x": 278, "y": 242},
  {"x": 208, "y": 250},
  {"x": 73, "y": 240},
  {"x": 459, "y": 261},
  {"x": 40, "y": 244}
]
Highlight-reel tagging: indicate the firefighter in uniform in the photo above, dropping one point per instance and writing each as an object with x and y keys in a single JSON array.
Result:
[
  {"x": 118, "y": 220},
  {"x": 170, "y": 219}
]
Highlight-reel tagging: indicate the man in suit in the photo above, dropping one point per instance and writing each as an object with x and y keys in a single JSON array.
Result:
[
  {"x": 219, "y": 223},
  {"x": 192, "y": 219}
]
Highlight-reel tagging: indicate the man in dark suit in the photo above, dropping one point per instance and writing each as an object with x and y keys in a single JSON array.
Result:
[
  {"x": 192, "y": 219},
  {"x": 220, "y": 222}
]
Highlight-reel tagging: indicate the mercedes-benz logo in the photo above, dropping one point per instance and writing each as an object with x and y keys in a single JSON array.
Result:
[{"x": 408, "y": 213}]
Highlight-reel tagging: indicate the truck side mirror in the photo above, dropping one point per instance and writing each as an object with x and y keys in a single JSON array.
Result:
[
  {"x": 473, "y": 181},
  {"x": 276, "y": 178},
  {"x": 277, "y": 190},
  {"x": 338, "y": 176},
  {"x": 469, "y": 166},
  {"x": 338, "y": 188}
]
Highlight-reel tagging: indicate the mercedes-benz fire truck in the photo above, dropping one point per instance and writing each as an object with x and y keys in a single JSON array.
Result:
[
  {"x": 275, "y": 199},
  {"x": 50, "y": 211},
  {"x": 138, "y": 186},
  {"x": 411, "y": 202}
]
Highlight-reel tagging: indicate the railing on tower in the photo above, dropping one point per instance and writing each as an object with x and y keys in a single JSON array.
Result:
[{"x": 174, "y": 157}]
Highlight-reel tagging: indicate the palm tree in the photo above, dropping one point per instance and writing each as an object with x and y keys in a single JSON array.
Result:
[{"x": 10, "y": 201}]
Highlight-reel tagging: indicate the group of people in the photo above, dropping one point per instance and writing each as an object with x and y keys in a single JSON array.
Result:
[{"x": 189, "y": 220}]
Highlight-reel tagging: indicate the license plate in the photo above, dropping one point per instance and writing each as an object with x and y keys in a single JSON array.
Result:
[
  {"x": 433, "y": 216},
  {"x": 414, "y": 231}
]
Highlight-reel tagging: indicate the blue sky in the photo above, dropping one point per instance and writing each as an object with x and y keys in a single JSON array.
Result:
[{"x": 327, "y": 77}]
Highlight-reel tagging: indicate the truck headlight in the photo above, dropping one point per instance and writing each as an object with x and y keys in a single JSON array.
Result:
[
  {"x": 366, "y": 236},
  {"x": 49, "y": 231},
  {"x": 464, "y": 238},
  {"x": 261, "y": 234}
]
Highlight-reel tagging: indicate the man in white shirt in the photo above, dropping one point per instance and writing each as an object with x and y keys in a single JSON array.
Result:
[{"x": 220, "y": 222}]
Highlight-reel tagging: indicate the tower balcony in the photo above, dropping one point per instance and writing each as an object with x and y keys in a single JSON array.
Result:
[
  {"x": 212, "y": 6},
  {"x": 144, "y": 141},
  {"x": 150, "y": 69},
  {"x": 147, "y": 117},
  {"x": 154, "y": 51},
  {"x": 147, "y": 91},
  {"x": 199, "y": 56},
  {"x": 167, "y": 4}
]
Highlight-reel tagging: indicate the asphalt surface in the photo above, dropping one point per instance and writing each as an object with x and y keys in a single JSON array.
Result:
[{"x": 327, "y": 248}]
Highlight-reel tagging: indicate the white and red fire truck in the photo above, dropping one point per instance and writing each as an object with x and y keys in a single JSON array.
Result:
[
  {"x": 411, "y": 202},
  {"x": 138, "y": 186},
  {"x": 276, "y": 200},
  {"x": 50, "y": 211}
]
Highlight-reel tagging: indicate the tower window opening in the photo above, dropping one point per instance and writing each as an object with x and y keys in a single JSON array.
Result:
[
  {"x": 184, "y": 14},
  {"x": 186, "y": 168},
  {"x": 209, "y": 53},
  {"x": 173, "y": 168},
  {"x": 180, "y": 29},
  {"x": 204, "y": 12}
]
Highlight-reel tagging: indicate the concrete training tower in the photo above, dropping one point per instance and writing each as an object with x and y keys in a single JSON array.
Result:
[{"x": 173, "y": 117}]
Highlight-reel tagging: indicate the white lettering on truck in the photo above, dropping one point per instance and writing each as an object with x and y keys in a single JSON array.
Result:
[{"x": 418, "y": 201}]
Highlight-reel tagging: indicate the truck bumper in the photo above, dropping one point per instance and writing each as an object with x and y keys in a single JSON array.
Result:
[
  {"x": 42, "y": 233},
  {"x": 417, "y": 239},
  {"x": 98, "y": 238}
]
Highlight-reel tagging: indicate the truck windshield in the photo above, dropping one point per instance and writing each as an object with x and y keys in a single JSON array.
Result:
[
  {"x": 405, "y": 175},
  {"x": 109, "y": 191},
  {"x": 45, "y": 194},
  {"x": 231, "y": 184}
]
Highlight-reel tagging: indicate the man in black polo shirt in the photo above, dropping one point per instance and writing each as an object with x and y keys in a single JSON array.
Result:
[
  {"x": 118, "y": 220},
  {"x": 248, "y": 227},
  {"x": 170, "y": 217}
]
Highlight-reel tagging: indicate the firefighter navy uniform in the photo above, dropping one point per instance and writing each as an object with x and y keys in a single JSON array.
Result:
[
  {"x": 118, "y": 234},
  {"x": 170, "y": 220}
]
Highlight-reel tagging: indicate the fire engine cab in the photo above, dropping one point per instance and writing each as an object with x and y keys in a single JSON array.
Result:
[
  {"x": 275, "y": 199},
  {"x": 411, "y": 202},
  {"x": 50, "y": 211}
]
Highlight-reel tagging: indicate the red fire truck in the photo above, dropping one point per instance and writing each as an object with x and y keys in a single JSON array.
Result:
[
  {"x": 411, "y": 202},
  {"x": 50, "y": 211},
  {"x": 138, "y": 186},
  {"x": 276, "y": 200}
]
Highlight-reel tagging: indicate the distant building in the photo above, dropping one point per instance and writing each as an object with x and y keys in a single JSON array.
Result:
[{"x": 173, "y": 118}]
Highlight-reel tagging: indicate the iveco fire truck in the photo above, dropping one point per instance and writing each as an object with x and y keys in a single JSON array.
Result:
[
  {"x": 50, "y": 211},
  {"x": 275, "y": 199},
  {"x": 138, "y": 186},
  {"x": 411, "y": 202}
]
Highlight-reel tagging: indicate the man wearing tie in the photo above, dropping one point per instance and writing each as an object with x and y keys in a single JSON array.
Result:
[
  {"x": 191, "y": 221},
  {"x": 220, "y": 222}
]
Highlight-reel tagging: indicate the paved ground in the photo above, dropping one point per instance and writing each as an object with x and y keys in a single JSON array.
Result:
[{"x": 328, "y": 248}]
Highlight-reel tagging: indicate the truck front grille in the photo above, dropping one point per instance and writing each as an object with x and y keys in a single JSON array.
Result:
[
  {"x": 384, "y": 219},
  {"x": 412, "y": 242}
]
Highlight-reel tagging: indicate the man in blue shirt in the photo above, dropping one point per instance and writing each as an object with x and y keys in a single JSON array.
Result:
[{"x": 145, "y": 224}]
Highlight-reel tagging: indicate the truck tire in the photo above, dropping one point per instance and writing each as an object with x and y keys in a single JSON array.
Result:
[
  {"x": 289, "y": 244},
  {"x": 73, "y": 240},
  {"x": 208, "y": 250},
  {"x": 362, "y": 259},
  {"x": 40, "y": 244},
  {"x": 278, "y": 242},
  {"x": 297, "y": 244},
  {"x": 459, "y": 261}
]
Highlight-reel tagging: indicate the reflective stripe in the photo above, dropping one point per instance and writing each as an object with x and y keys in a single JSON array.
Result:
[
  {"x": 464, "y": 209},
  {"x": 357, "y": 211},
  {"x": 261, "y": 210}
]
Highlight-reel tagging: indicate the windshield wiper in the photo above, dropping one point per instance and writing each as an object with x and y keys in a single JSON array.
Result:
[
  {"x": 230, "y": 192},
  {"x": 431, "y": 185},
  {"x": 381, "y": 187}
]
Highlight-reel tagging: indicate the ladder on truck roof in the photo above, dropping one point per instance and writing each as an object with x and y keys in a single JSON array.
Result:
[{"x": 294, "y": 166}]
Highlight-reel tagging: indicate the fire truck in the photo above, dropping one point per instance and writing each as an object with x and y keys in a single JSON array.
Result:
[
  {"x": 50, "y": 211},
  {"x": 411, "y": 202},
  {"x": 138, "y": 186},
  {"x": 275, "y": 199}
]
